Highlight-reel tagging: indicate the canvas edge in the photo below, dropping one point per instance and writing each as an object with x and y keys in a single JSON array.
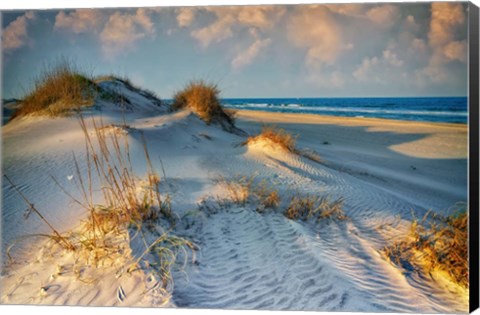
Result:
[{"x": 473, "y": 98}]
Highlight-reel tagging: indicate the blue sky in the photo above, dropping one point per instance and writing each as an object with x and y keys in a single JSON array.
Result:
[{"x": 338, "y": 50}]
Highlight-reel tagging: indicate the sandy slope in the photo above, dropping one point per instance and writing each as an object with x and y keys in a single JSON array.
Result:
[{"x": 248, "y": 259}]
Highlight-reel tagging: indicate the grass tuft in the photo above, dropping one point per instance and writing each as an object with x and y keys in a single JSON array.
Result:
[
  {"x": 435, "y": 244},
  {"x": 58, "y": 90},
  {"x": 243, "y": 190},
  {"x": 203, "y": 99},
  {"x": 131, "y": 208},
  {"x": 308, "y": 207},
  {"x": 276, "y": 136}
]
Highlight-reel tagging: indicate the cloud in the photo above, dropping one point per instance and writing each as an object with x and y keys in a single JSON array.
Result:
[
  {"x": 117, "y": 31},
  {"x": 447, "y": 21},
  {"x": 15, "y": 34},
  {"x": 348, "y": 9},
  {"x": 123, "y": 30},
  {"x": 218, "y": 31},
  {"x": 411, "y": 25},
  {"x": 375, "y": 69},
  {"x": 456, "y": 50},
  {"x": 313, "y": 28},
  {"x": 261, "y": 17},
  {"x": 384, "y": 15},
  {"x": 446, "y": 17},
  {"x": 185, "y": 16},
  {"x": 80, "y": 20},
  {"x": 362, "y": 71},
  {"x": 418, "y": 46},
  {"x": 246, "y": 57},
  {"x": 391, "y": 58},
  {"x": 230, "y": 19}
]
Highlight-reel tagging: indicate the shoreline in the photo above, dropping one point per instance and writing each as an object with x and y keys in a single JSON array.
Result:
[{"x": 249, "y": 112}]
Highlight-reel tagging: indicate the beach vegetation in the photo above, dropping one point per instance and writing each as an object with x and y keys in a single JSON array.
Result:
[
  {"x": 243, "y": 190},
  {"x": 58, "y": 90},
  {"x": 131, "y": 207},
  {"x": 314, "y": 207},
  {"x": 280, "y": 138},
  {"x": 435, "y": 245},
  {"x": 275, "y": 136},
  {"x": 202, "y": 98}
]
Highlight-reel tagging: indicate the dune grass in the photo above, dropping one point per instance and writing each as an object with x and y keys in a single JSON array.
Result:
[
  {"x": 314, "y": 207},
  {"x": 280, "y": 138},
  {"x": 62, "y": 88},
  {"x": 58, "y": 90},
  {"x": 130, "y": 206},
  {"x": 275, "y": 136},
  {"x": 435, "y": 244},
  {"x": 263, "y": 195},
  {"x": 243, "y": 190},
  {"x": 203, "y": 99}
]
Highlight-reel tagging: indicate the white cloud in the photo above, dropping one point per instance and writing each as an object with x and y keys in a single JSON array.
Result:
[
  {"x": 411, "y": 25},
  {"x": 348, "y": 9},
  {"x": 230, "y": 19},
  {"x": 123, "y": 30},
  {"x": 247, "y": 56},
  {"x": 456, "y": 50},
  {"x": 376, "y": 69},
  {"x": 362, "y": 71},
  {"x": 15, "y": 34},
  {"x": 80, "y": 20},
  {"x": 313, "y": 28},
  {"x": 384, "y": 15},
  {"x": 117, "y": 31},
  {"x": 185, "y": 16},
  {"x": 447, "y": 18},
  {"x": 218, "y": 31},
  {"x": 391, "y": 58},
  {"x": 261, "y": 17},
  {"x": 418, "y": 46}
]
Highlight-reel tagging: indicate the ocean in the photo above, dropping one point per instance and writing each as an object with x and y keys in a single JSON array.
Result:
[{"x": 433, "y": 109}]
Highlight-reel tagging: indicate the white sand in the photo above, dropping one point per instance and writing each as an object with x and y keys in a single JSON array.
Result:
[{"x": 246, "y": 260}]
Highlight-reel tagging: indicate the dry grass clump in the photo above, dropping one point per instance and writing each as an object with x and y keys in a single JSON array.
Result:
[
  {"x": 127, "y": 207},
  {"x": 278, "y": 137},
  {"x": 243, "y": 190},
  {"x": 435, "y": 244},
  {"x": 58, "y": 90},
  {"x": 203, "y": 99},
  {"x": 275, "y": 136},
  {"x": 267, "y": 195},
  {"x": 307, "y": 207},
  {"x": 108, "y": 157},
  {"x": 246, "y": 190}
]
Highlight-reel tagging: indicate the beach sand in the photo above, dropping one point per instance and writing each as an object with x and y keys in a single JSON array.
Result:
[
  {"x": 424, "y": 161},
  {"x": 382, "y": 169}
]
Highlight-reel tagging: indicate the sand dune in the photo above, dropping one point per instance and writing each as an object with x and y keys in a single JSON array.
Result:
[{"x": 246, "y": 259}]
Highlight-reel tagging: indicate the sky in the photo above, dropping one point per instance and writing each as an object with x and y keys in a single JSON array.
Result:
[{"x": 336, "y": 50}]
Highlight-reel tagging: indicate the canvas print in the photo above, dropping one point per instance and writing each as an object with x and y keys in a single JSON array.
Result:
[{"x": 269, "y": 157}]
